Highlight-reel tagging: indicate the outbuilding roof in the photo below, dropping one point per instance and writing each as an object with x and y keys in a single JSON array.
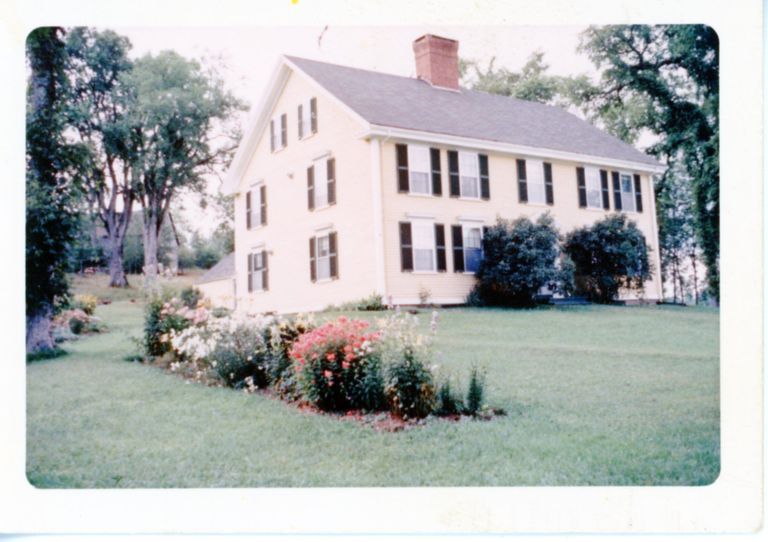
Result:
[
  {"x": 224, "y": 269},
  {"x": 413, "y": 104}
]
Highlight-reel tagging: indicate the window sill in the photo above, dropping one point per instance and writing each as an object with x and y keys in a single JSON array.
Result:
[
  {"x": 307, "y": 136},
  {"x": 279, "y": 149},
  {"x": 472, "y": 273},
  {"x": 322, "y": 207},
  {"x": 467, "y": 198},
  {"x": 414, "y": 272},
  {"x": 536, "y": 204},
  {"x": 257, "y": 292},
  {"x": 257, "y": 227},
  {"x": 324, "y": 281}
]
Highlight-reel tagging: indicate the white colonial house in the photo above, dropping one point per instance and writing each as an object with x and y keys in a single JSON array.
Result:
[{"x": 349, "y": 182}]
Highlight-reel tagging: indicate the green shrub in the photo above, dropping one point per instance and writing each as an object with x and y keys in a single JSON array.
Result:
[
  {"x": 76, "y": 325},
  {"x": 607, "y": 256},
  {"x": 86, "y": 303},
  {"x": 239, "y": 354},
  {"x": 410, "y": 388},
  {"x": 371, "y": 303},
  {"x": 519, "y": 258},
  {"x": 475, "y": 392},
  {"x": 191, "y": 296},
  {"x": 280, "y": 339},
  {"x": 448, "y": 403}
]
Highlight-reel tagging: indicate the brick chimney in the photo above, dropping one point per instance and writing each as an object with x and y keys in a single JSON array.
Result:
[{"x": 437, "y": 61}]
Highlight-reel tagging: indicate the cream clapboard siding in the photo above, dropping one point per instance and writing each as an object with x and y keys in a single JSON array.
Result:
[
  {"x": 220, "y": 293},
  {"x": 290, "y": 224},
  {"x": 450, "y": 287}
]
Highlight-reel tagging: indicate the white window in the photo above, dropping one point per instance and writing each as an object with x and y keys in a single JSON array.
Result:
[
  {"x": 276, "y": 132},
  {"x": 321, "y": 183},
  {"x": 594, "y": 188},
  {"x": 256, "y": 206},
  {"x": 627, "y": 192},
  {"x": 323, "y": 251},
  {"x": 423, "y": 232},
  {"x": 419, "y": 168},
  {"x": 473, "y": 247},
  {"x": 305, "y": 121},
  {"x": 469, "y": 175},
  {"x": 537, "y": 192}
]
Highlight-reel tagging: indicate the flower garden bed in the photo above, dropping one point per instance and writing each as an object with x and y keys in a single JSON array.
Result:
[{"x": 381, "y": 376}]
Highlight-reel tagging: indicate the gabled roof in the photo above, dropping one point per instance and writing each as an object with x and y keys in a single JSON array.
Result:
[
  {"x": 224, "y": 269},
  {"x": 392, "y": 105},
  {"x": 414, "y": 104}
]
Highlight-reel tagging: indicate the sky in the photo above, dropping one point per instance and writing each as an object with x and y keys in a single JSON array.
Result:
[{"x": 246, "y": 56}]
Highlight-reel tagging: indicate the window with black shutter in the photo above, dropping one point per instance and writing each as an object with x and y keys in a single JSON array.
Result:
[
  {"x": 331, "y": 173},
  {"x": 440, "y": 247},
  {"x": 301, "y": 121},
  {"x": 313, "y": 114},
  {"x": 406, "y": 247},
  {"x": 312, "y": 259},
  {"x": 311, "y": 187},
  {"x": 453, "y": 174},
  {"x": 604, "y": 189},
  {"x": 402, "y": 168},
  {"x": 333, "y": 255},
  {"x": 283, "y": 130},
  {"x": 457, "y": 240},
  {"x": 638, "y": 194},
  {"x": 582, "y": 186},
  {"x": 263, "y": 197},
  {"x": 522, "y": 183},
  {"x": 250, "y": 273},
  {"x": 264, "y": 271},
  {"x": 257, "y": 271},
  {"x": 437, "y": 177},
  {"x": 272, "y": 139},
  {"x": 485, "y": 181},
  {"x": 248, "y": 210},
  {"x": 548, "y": 186},
  {"x": 616, "y": 190}
]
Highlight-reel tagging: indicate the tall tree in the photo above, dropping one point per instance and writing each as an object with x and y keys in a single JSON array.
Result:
[
  {"x": 531, "y": 83},
  {"x": 52, "y": 166},
  {"x": 100, "y": 100},
  {"x": 665, "y": 79},
  {"x": 181, "y": 123}
]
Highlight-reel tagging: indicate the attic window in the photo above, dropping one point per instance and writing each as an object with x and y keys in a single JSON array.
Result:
[{"x": 278, "y": 132}]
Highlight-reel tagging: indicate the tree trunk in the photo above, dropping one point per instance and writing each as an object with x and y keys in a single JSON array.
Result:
[
  {"x": 117, "y": 278},
  {"x": 39, "y": 332},
  {"x": 174, "y": 256},
  {"x": 695, "y": 278},
  {"x": 150, "y": 251}
]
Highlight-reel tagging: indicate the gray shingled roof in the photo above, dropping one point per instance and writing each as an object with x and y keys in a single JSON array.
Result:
[
  {"x": 409, "y": 103},
  {"x": 224, "y": 269}
]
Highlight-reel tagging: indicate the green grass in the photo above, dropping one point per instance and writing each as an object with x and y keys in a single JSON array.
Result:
[{"x": 594, "y": 395}]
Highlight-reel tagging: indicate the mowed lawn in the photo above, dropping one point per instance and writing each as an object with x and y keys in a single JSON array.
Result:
[{"x": 594, "y": 396}]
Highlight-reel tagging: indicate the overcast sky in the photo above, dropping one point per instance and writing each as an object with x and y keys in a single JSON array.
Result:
[{"x": 247, "y": 55}]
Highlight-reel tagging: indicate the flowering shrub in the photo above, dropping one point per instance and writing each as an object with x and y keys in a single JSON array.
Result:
[
  {"x": 409, "y": 385},
  {"x": 86, "y": 303},
  {"x": 69, "y": 323},
  {"x": 336, "y": 364}
]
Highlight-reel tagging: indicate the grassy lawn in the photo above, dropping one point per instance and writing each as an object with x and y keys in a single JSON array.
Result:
[{"x": 594, "y": 395}]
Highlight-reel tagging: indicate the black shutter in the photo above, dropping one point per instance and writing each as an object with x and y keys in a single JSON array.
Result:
[
  {"x": 453, "y": 174},
  {"x": 312, "y": 260},
  {"x": 284, "y": 129},
  {"x": 638, "y": 194},
  {"x": 272, "y": 135},
  {"x": 549, "y": 189},
  {"x": 402, "y": 168},
  {"x": 311, "y": 187},
  {"x": 457, "y": 235},
  {"x": 331, "y": 173},
  {"x": 250, "y": 272},
  {"x": 485, "y": 182},
  {"x": 604, "y": 189},
  {"x": 582, "y": 184},
  {"x": 264, "y": 271},
  {"x": 522, "y": 182},
  {"x": 248, "y": 210},
  {"x": 440, "y": 247},
  {"x": 406, "y": 247},
  {"x": 301, "y": 121},
  {"x": 333, "y": 251},
  {"x": 616, "y": 190},
  {"x": 437, "y": 177},
  {"x": 263, "y": 194},
  {"x": 313, "y": 114}
]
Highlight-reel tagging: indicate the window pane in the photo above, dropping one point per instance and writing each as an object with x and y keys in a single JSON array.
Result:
[
  {"x": 324, "y": 267},
  {"x": 468, "y": 174},
  {"x": 627, "y": 193},
  {"x": 321, "y": 183},
  {"x": 594, "y": 188},
  {"x": 323, "y": 246},
  {"x": 472, "y": 257},
  {"x": 419, "y": 183},
  {"x": 306, "y": 114},
  {"x": 423, "y": 259},
  {"x": 423, "y": 245},
  {"x": 469, "y": 187},
  {"x": 258, "y": 280},
  {"x": 473, "y": 238}
]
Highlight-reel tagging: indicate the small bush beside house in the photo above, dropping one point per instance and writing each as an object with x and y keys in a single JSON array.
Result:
[
  {"x": 519, "y": 258},
  {"x": 608, "y": 256}
]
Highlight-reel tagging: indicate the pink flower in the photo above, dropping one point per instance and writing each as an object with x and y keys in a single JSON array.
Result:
[
  {"x": 331, "y": 357},
  {"x": 328, "y": 374},
  {"x": 345, "y": 364}
]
